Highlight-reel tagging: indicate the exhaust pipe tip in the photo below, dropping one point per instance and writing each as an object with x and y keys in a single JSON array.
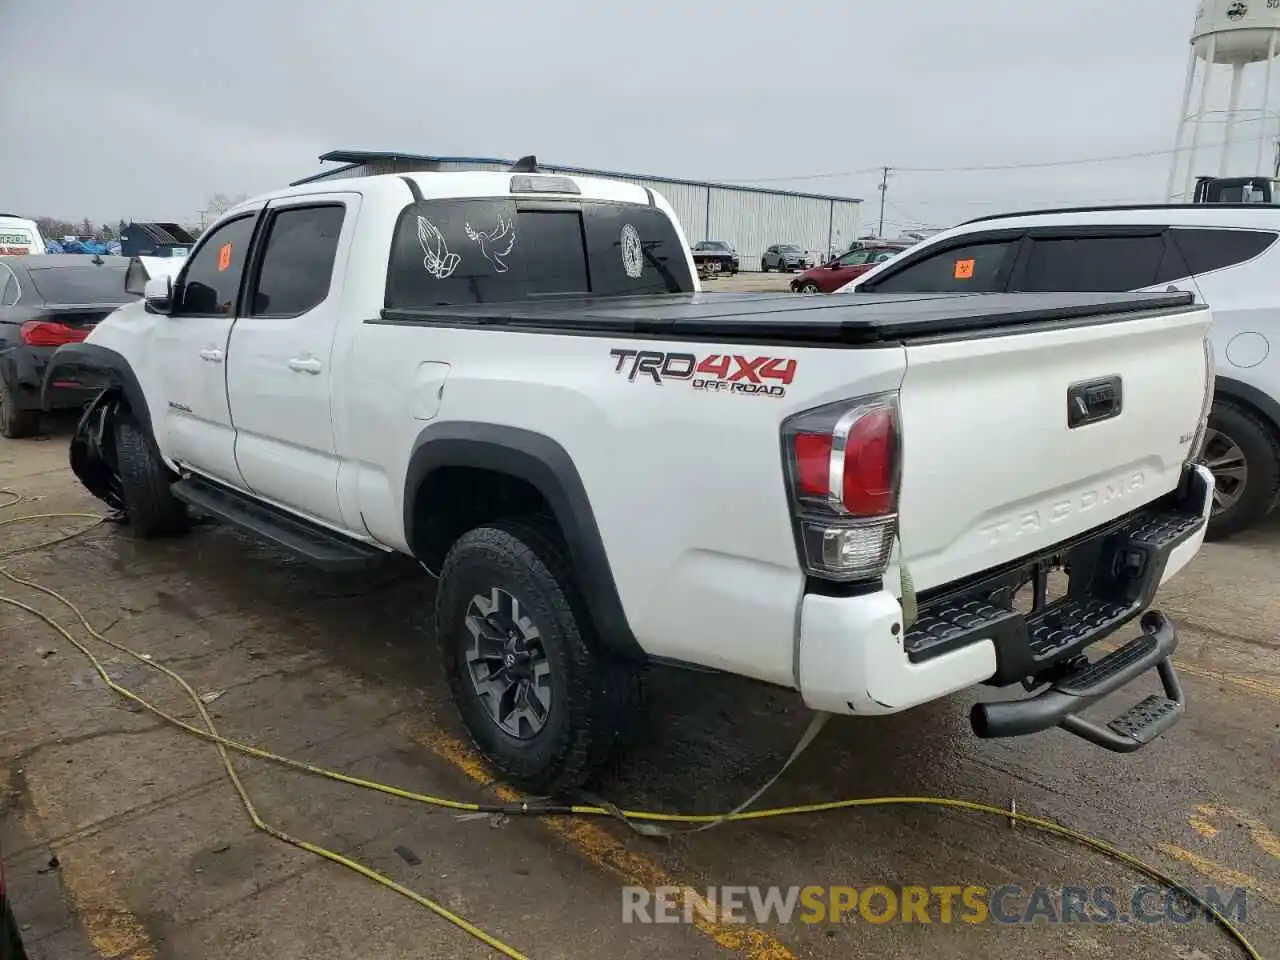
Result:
[{"x": 980, "y": 721}]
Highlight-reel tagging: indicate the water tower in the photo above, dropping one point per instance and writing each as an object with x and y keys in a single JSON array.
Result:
[{"x": 1235, "y": 34}]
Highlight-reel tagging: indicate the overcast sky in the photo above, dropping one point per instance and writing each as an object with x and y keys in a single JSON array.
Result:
[{"x": 143, "y": 110}]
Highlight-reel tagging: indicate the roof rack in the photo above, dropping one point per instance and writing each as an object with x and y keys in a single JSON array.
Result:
[{"x": 1121, "y": 207}]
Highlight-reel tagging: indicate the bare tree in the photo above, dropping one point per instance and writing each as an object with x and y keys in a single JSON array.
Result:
[{"x": 220, "y": 203}]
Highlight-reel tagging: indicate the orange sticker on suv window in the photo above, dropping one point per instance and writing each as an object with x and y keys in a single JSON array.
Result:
[
  {"x": 964, "y": 269},
  {"x": 224, "y": 257}
]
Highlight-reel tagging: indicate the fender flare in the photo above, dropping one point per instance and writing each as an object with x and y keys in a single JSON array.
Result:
[
  {"x": 547, "y": 466},
  {"x": 1225, "y": 388},
  {"x": 104, "y": 367}
]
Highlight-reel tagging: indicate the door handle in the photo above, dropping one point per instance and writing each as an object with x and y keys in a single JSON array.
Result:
[
  {"x": 212, "y": 354},
  {"x": 305, "y": 365}
]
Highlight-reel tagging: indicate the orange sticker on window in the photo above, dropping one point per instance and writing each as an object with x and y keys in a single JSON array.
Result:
[
  {"x": 224, "y": 257},
  {"x": 964, "y": 269}
]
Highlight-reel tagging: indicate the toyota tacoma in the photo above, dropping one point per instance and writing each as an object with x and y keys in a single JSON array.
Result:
[{"x": 514, "y": 379}]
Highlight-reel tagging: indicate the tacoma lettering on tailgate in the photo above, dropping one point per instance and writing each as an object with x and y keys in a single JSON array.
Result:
[
  {"x": 1034, "y": 520},
  {"x": 714, "y": 373}
]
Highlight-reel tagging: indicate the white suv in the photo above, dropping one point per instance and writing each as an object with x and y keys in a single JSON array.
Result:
[{"x": 1225, "y": 254}]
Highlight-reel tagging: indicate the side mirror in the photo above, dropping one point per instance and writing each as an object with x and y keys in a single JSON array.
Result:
[{"x": 158, "y": 294}]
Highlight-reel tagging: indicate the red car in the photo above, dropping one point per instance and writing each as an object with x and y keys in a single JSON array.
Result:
[{"x": 834, "y": 275}]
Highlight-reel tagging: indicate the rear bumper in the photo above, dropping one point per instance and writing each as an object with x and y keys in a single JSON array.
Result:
[
  {"x": 854, "y": 657},
  {"x": 24, "y": 369}
]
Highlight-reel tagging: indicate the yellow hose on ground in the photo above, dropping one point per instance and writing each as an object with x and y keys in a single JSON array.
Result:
[{"x": 223, "y": 744}]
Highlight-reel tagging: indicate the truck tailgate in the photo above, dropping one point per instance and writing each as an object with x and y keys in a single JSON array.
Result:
[{"x": 993, "y": 468}]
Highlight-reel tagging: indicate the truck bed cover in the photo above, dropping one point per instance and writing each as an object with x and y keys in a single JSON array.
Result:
[{"x": 857, "y": 319}]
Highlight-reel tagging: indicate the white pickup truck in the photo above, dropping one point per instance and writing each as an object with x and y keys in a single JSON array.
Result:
[{"x": 514, "y": 379}]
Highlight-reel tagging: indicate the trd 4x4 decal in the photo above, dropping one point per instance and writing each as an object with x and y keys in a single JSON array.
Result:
[{"x": 715, "y": 373}]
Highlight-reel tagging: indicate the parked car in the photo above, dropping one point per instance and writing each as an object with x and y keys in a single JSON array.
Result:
[
  {"x": 11, "y": 947},
  {"x": 785, "y": 256},
  {"x": 834, "y": 275},
  {"x": 1226, "y": 255},
  {"x": 19, "y": 236},
  {"x": 454, "y": 412},
  {"x": 716, "y": 253},
  {"x": 47, "y": 300}
]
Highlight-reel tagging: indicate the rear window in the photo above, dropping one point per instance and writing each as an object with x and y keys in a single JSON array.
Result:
[
  {"x": 495, "y": 250},
  {"x": 89, "y": 283}
]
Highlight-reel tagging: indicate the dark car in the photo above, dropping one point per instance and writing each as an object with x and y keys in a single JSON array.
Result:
[
  {"x": 718, "y": 253},
  {"x": 785, "y": 256},
  {"x": 832, "y": 276},
  {"x": 46, "y": 301},
  {"x": 10, "y": 933}
]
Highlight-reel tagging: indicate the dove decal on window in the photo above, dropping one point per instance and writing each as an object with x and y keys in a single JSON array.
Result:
[
  {"x": 439, "y": 262},
  {"x": 496, "y": 243}
]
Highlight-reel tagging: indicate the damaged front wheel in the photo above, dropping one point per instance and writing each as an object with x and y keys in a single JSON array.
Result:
[{"x": 151, "y": 511}]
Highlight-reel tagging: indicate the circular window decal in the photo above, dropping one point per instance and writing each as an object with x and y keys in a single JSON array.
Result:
[{"x": 632, "y": 252}]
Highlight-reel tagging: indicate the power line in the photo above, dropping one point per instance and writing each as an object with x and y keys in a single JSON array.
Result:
[{"x": 1040, "y": 165}]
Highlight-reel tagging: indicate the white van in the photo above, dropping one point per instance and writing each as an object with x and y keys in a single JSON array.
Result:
[{"x": 19, "y": 236}]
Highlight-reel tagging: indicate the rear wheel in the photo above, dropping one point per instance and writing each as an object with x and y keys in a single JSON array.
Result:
[
  {"x": 150, "y": 509},
  {"x": 1245, "y": 459},
  {"x": 764, "y": 266},
  {"x": 539, "y": 699},
  {"x": 15, "y": 422}
]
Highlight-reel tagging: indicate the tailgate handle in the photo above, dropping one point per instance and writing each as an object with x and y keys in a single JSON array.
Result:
[{"x": 1094, "y": 400}]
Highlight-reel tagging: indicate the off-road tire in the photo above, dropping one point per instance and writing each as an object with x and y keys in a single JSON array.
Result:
[
  {"x": 151, "y": 511},
  {"x": 1262, "y": 455},
  {"x": 15, "y": 423},
  {"x": 596, "y": 699}
]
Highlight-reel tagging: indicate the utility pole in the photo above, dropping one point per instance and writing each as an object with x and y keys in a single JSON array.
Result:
[{"x": 884, "y": 188}]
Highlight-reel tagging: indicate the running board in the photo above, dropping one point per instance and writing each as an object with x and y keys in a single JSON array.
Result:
[
  {"x": 307, "y": 541},
  {"x": 1061, "y": 704}
]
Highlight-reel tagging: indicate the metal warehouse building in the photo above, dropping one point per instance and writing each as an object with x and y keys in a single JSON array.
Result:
[{"x": 749, "y": 218}]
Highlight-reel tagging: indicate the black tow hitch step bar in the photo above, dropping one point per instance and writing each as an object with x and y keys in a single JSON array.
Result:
[{"x": 1061, "y": 704}]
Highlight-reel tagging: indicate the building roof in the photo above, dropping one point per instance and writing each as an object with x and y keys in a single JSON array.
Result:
[
  {"x": 163, "y": 232},
  {"x": 357, "y": 158}
]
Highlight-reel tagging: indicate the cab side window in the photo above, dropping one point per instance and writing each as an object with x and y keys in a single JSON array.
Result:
[
  {"x": 297, "y": 262},
  {"x": 211, "y": 280}
]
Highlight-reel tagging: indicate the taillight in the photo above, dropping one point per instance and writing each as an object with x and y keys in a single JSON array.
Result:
[
  {"x": 843, "y": 466},
  {"x": 46, "y": 333}
]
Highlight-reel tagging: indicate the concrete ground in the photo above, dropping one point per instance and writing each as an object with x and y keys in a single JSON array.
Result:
[
  {"x": 156, "y": 860},
  {"x": 749, "y": 281}
]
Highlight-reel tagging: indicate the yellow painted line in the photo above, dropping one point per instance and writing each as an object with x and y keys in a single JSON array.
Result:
[
  {"x": 1200, "y": 823},
  {"x": 1266, "y": 839},
  {"x": 1225, "y": 876},
  {"x": 612, "y": 856},
  {"x": 1267, "y": 689},
  {"x": 93, "y": 893},
  {"x": 1263, "y": 688}
]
